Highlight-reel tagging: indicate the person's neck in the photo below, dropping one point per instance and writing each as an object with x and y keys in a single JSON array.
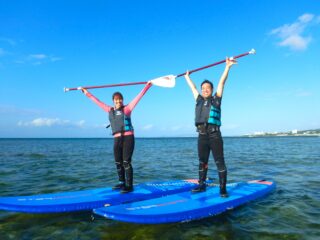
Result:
[{"x": 206, "y": 98}]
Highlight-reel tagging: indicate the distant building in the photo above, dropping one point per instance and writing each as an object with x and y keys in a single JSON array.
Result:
[
  {"x": 258, "y": 133},
  {"x": 294, "y": 133}
]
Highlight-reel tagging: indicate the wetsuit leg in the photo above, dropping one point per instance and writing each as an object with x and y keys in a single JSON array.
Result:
[
  {"x": 118, "y": 157},
  {"x": 128, "y": 148},
  {"x": 216, "y": 145},
  {"x": 203, "y": 154}
]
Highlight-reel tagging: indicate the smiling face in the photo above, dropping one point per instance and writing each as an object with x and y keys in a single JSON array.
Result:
[
  {"x": 206, "y": 90},
  {"x": 117, "y": 101}
]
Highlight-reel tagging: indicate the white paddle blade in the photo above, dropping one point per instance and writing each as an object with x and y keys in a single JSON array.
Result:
[
  {"x": 252, "y": 51},
  {"x": 168, "y": 81}
]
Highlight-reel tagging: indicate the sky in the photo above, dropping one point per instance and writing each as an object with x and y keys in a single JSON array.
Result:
[{"x": 48, "y": 45}]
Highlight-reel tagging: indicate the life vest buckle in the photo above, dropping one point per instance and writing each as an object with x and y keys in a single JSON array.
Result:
[{"x": 205, "y": 128}]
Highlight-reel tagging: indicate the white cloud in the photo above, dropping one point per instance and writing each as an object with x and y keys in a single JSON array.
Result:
[
  {"x": 147, "y": 127},
  {"x": 8, "y": 40},
  {"x": 50, "y": 122},
  {"x": 33, "y": 59},
  {"x": 305, "y": 18},
  {"x": 293, "y": 35},
  {"x": 296, "y": 42},
  {"x": 38, "y": 59},
  {"x": 37, "y": 56}
]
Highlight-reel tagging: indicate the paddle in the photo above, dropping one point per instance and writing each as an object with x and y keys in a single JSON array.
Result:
[
  {"x": 104, "y": 86},
  {"x": 165, "y": 81},
  {"x": 252, "y": 51}
]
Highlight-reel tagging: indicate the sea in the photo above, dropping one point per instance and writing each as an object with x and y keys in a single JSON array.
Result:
[{"x": 37, "y": 166}]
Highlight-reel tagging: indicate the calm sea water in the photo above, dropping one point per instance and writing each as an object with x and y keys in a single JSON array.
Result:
[{"x": 34, "y": 166}]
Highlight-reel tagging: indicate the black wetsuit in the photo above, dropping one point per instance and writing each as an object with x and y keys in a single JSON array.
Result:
[
  {"x": 123, "y": 150},
  {"x": 210, "y": 140}
]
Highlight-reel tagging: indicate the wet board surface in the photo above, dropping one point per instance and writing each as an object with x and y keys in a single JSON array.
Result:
[
  {"x": 90, "y": 199},
  {"x": 187, "y": 206}
]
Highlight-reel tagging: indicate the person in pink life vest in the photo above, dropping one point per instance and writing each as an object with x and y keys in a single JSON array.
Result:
[{"x": 123, "y": 133}]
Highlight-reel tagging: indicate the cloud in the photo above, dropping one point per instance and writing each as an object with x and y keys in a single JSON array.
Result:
[
  {"x": 37, "y": 56},
  {"x": 296, "y": 42},
  {"x": 8, "y": 40},
  {"x": 50, "y": 122},
  {"x": 40, "y": 58},
  {"x": 22, "y": 58},
  {"x": 293, "y": 35},
  {"x": 147, "y": 127}
]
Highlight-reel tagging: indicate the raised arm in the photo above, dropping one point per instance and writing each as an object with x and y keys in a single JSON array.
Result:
[
  {"x": 224, "y": 76},
  {"x": 104, "y": 106},
  {"x": 128, "y": 109},
  {"x": 191, "y": 85}
]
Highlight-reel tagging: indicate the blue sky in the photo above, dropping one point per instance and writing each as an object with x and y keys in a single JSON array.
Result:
[{"x": 48, "y": 45}]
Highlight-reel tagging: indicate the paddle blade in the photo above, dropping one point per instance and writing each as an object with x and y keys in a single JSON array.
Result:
[{"x": 168, "y": 81}]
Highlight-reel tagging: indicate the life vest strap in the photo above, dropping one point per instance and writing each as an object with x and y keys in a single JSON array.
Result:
[{"x": 206, "y": 128}]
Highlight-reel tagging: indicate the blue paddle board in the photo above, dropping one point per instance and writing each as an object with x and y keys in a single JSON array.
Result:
[
  {"x": 90, "y": 199},
  {"x": 187, "y": 206}
]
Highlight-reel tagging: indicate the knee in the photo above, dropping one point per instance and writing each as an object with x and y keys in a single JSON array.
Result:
[
  {"x": 221, "y": 165},
  {"x": 127, "y": 164},
  {"x": 203, "y": 165}
]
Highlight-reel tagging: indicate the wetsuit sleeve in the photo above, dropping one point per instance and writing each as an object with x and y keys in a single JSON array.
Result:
[
  {"x": 104, "y": 106},
  {"x": 198, "y": 98},
  {"x": 128, "y": 109},
  {"x": 217, "y": 100}
]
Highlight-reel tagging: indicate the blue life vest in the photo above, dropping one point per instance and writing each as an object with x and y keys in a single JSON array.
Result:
[
  {"x": 119, "y": 121},
  {"x": 208, "y": 111}
]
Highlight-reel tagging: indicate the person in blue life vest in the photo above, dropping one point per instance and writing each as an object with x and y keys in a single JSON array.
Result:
[{"x": 208, "y": 122}]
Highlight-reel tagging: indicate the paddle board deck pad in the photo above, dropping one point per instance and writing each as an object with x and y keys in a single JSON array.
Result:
[
  {"x": 186, "y": 206},
  {"x": 90, "y": 199}
]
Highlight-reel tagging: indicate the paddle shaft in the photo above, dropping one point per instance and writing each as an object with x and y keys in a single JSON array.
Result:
[
  {"x": 213, "y": 64},
  {"x": 180, "y": 75},
  {"x": 106, "y": 86}
]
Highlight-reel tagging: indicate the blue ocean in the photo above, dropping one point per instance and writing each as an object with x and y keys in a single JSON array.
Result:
[{"x": 292, "y": 211}]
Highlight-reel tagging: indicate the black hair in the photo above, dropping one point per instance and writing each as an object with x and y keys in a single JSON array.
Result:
[
  {"x": 117, "y": 94},
  {"x": 207, "y": 81}
]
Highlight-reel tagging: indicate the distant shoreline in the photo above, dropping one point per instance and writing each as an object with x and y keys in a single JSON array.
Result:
[
  {"x": 195, "y": 137},
  {"x": 293, "y": 133},
  {"x": 297, "y": 135}
]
